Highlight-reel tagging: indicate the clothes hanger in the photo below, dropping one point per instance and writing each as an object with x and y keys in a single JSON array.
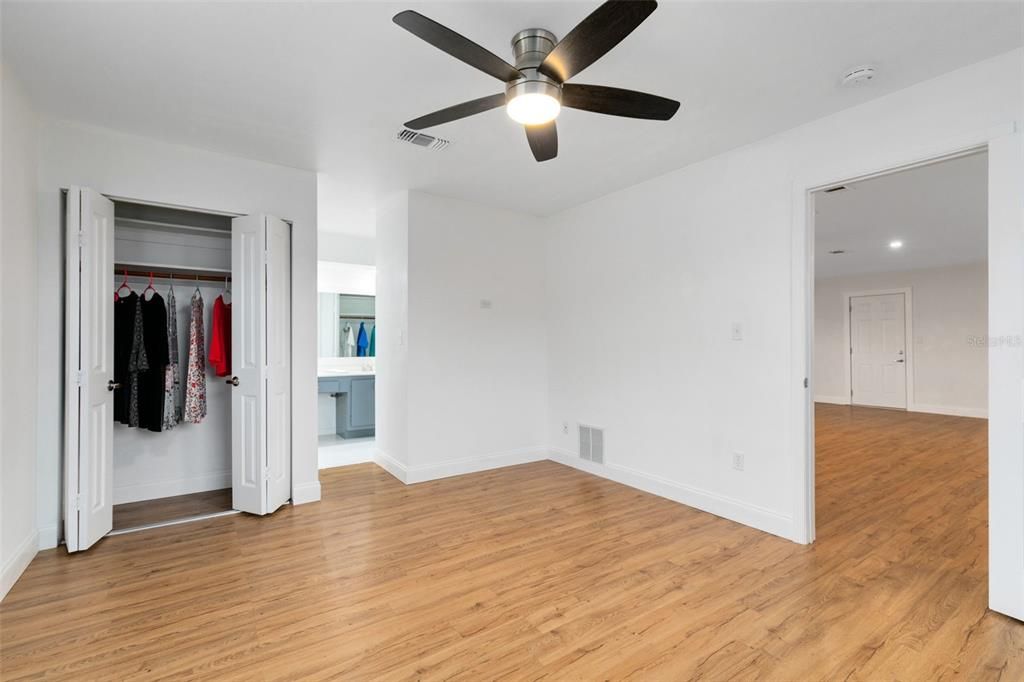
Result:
[
  {"x": 226, "y": 294},
  {"x": 149, "y": 287},
  {"x": 124, "y": 285}
]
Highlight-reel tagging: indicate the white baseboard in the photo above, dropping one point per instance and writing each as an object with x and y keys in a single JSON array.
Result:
[
  {"x": 182, "y": 486},
  {"x": 304, "y": 493},
  {"x": 469, "y": 465},
  {"x": 48, "y": 537},
  {"x": 390, "y": 465},
  {"x": 952, "y": 411},
  {"x": 713, "y": 503},
  {"x": 832, "y": 399},
  {"x": 18, "y": 562}
]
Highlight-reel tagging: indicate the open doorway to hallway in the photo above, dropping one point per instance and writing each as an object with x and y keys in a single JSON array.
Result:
[{"x": 901, "y": 374}]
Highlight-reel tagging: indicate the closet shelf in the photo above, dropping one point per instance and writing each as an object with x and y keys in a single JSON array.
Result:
[
  {"x": 185, "y": 272},
  {"x": 172, "y": 227}
]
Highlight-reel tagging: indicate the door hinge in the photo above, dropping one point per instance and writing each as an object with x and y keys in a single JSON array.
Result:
[
  {"x": 76, "y": 502},
  {"x": 80, "y": 377},
  {"x": 805, "y": 382},
  {"x": 81, "y": 240}
]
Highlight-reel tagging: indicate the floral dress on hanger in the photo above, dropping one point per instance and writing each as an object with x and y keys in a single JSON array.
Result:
[
  {"x": 195, "y": 379},
  {"x": 172, "y": 375}
]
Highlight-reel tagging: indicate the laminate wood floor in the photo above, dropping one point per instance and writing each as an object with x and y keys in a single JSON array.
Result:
[
  {"x": 135, "y": 514},
  {"x": 542, "y": 572}
]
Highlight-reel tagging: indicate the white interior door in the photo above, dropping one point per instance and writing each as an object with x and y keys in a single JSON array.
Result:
[
  {"x": 261, "y": 364},
  {"x": 89, "y": 339},
  {"x": 878, "y": 340}
]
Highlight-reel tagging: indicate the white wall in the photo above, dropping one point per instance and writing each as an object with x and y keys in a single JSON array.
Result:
[
  {"x": 475, "y": 382},
  {"x": 346, "y": 248},
  {"x": 392, "y": 305},
  {"x": 645, "y": 284},
  {"x": 18, "y": 336},
  {"x": 948, "y": 355},
  {"x": 140, "y": 168}
]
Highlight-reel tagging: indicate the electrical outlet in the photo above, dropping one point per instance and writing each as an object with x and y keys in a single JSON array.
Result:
[
  {"x": 738, "y": 461},
  {"x": 565, "y": 428},
  {"x": 486, "y": 304}
]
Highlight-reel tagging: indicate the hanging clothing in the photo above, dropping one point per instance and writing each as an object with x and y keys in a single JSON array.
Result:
[
  {"x": 373, "y": 342},
  {"x": 151, "y": 380},
  {"x": 348, "y": 342},
  {"x": 124, "y": 330},
  {"x": 195, "y": 378},
  {"x": 137, "y": 363},
  {"x": 364, "y": 341},
  {"x": 172, "y": 375},
  {"x": 220, "y": 338}
]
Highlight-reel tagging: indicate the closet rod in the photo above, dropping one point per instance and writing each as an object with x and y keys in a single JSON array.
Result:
[
  {"x": 358, "y": 317},
  {"x": 157, "y": 274}
]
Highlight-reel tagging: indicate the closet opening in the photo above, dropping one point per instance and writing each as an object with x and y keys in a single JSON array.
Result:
[
  {"x": 171, "y": 463},
  {"x": 178, "y": 396}
]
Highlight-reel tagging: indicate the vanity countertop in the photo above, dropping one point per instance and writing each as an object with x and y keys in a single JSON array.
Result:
[{"x": 335, "y": 373}]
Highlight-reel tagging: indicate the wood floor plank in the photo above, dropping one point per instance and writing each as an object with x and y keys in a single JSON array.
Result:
[{"x": 542, "y": 572}]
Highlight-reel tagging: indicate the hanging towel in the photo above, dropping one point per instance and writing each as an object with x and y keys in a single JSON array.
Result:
[
  {"x": 172, "y": 375},
  {"x": 364, "y": 341},
  {"x": 348, "y": 342},
  {"x": 124, "y": 335},
  {"x": 136, "y": 363},
  {"x": 195, "y": 379},
  {"x": 373, "y": 342},
  {"x": 220, "y": 338}
]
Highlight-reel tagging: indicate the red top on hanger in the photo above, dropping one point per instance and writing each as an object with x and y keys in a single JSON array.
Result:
[{"x": 220, "y": 338}]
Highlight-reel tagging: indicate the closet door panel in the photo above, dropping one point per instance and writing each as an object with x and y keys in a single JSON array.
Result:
[
  {"x": 89, "y": 451},
  {"x": 279, "y": 417},
  {"x": 248, "y": 359}
]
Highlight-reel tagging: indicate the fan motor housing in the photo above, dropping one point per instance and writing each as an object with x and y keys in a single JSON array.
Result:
[{"x": 530, "y": 46}]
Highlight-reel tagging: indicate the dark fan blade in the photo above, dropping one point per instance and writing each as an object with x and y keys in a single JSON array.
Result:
[
  {"x": 460, "y": 47},
  {"x": 594, "y": 36},
  {"x": 454, "y": 113},
  {"x": 618, "y": 102},
  {"x": 543, "y": 140}
]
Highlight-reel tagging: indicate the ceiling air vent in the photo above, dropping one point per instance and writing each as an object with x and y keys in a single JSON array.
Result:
[
  {"x": 592, "y": 443},
  {"x": 422, "y": 140}
]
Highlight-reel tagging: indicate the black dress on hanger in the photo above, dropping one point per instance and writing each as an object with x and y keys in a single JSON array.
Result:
[
  {"x": 151, "y": 381},
  {"x": 124, "y": 328}
]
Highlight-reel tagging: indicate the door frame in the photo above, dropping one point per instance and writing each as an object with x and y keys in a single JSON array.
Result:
[
  {"x": 1004, "y": 144},
  {"x": 62, "y": 462},
  {"x": 908, "y": 342}
]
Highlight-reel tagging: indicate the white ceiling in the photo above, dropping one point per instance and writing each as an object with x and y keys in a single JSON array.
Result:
[
  {"x": 939, "y": 212},
  {"x": 326, "y": 86}
]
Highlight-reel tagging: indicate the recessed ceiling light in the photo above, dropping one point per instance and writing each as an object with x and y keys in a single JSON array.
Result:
[{"x": 896, "y": 244}]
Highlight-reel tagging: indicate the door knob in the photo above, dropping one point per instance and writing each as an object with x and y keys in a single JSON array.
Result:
[
  {"x": 233, "y": 381},
  {"x": 900, "y": 360},
  {"x": 111, "y": 385}
]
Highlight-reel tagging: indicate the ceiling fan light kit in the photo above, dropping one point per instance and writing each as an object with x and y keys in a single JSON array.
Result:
[{"x": 536, "y": 88}]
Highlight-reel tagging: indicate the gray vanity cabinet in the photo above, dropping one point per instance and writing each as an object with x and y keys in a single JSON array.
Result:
[{"x": 353, "y": 403}]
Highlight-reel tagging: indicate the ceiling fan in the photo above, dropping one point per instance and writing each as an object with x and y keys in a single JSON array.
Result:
[{"x": 536, "y": 87}]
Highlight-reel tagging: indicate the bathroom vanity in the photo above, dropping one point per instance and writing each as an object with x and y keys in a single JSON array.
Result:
[{"x": 353, "y": 395}]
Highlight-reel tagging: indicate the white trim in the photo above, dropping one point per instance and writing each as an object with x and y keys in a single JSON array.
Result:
[
  {"x": 952, "y": 410},
  {"x": 801, "y": 432},
  {"x": 18, "y": 562},
  {"x": 141, "y": 492},
  {"x": 469, "y": 465},
  {"x": 390, "y": 465},
  {"x": 908, "y": 341},
  {"x": 832, "y": 399},
  {"x": 48, "y": 537},
  {"x": 306, "y": 492},
  {"x": 730, "y": 508}
]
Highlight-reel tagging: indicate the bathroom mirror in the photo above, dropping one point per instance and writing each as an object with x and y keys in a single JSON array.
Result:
[{"x": 346, "y": 324}]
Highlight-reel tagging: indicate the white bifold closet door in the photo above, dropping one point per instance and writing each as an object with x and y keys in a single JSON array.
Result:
[
  {"x": 261, "y": 359},
  {"x": 261, "y": 363},
  {"x": 89, "y": 383}
]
